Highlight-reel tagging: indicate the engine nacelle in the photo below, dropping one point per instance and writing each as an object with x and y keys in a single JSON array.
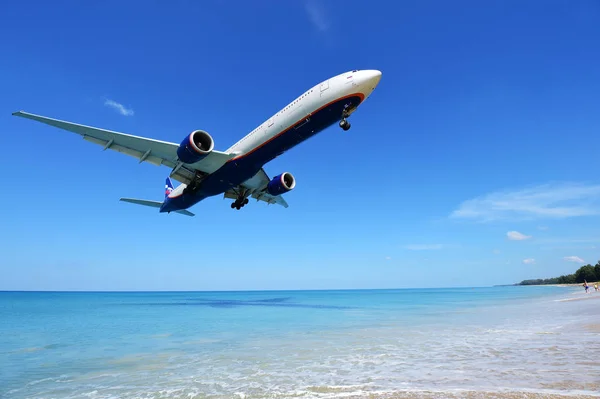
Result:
[
  {"x": 281, "y": 184},
  {"x": 195, "y": 146}
]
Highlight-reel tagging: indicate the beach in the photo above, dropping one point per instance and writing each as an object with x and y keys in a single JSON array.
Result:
[{"x": 500, "y": 342}]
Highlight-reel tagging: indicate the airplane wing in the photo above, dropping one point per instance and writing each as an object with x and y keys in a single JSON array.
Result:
[
  {"x": 258, "y": 184},
  {"x": 144, "y": 149},
  {"x": 271, "y": 199}
]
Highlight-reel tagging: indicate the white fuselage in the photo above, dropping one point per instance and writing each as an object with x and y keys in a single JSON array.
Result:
[
  {"x": 363, "y": 82},
  {"x": 358, "y": 84}
]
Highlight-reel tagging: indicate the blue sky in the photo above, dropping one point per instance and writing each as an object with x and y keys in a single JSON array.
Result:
[{"x": 473, "y": 163}]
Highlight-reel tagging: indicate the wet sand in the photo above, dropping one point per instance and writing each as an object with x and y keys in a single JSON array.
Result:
[{"x": 475, "y": 395}]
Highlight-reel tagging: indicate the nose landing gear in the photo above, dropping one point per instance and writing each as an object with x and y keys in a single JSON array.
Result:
[{"x": 344, "y": 124}]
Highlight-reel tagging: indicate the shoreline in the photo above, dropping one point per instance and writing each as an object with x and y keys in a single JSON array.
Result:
[{"x": 590, "y": 284}]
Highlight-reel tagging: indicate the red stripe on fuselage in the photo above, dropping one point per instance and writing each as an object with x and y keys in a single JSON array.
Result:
[
  {"x": 360, "y": 95},
  {"x": 362, "y": 98}
]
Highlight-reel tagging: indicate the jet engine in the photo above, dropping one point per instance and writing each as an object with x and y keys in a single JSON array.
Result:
[
  {"x": 195, "y": 147},
  {"x": 281, "y": 184}
]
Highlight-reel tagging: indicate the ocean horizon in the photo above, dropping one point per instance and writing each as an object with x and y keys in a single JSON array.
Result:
[
  {"x": 283, "y": 290},
  {"x": 500, "y": 341}
]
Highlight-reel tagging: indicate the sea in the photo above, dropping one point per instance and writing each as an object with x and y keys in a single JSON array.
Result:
[{"x": 491, "y": 342}]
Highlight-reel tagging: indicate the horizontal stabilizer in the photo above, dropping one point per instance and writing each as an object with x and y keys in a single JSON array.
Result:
[
  {"x": 184, "y": 212},
  {"x": 154, "y": 204}
]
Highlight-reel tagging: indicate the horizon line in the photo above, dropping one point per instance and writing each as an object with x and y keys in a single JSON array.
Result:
[{"x": 263, "y": 290}]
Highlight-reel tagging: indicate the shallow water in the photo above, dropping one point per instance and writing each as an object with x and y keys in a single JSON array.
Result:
[{"x": 431, "y": 343}]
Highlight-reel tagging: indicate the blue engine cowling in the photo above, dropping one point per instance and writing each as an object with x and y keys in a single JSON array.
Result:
[
  {"x": 195, "y": 146},
  {"x": 281, "y": 184}
]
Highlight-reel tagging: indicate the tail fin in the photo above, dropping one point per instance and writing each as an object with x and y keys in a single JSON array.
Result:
[{"x": 168, "y": 187}]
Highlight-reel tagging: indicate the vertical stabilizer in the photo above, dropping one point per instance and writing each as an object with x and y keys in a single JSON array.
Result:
[{"x": 168, "y": 187}]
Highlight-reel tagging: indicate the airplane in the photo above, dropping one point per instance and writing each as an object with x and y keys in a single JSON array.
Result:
[{"x": 237, "y": 172}]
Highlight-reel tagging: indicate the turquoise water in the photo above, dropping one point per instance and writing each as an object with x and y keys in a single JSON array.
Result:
[{"x": 294, "y": 343}]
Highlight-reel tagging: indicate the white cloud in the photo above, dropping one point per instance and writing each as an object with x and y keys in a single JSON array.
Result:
[
  {"x": 575, "y": 259},
  {"x": 388, "y": 258},
  {"x": 552, "y": 201},
  {"x": 423, "y": 247},
  {"x": 529, "y": 261},
  {"x": 496, "y": 251},
  {"x": 516, "y": 236},
  {"x": 317, "y": 16},
  {"x": 120, "y": 108}
]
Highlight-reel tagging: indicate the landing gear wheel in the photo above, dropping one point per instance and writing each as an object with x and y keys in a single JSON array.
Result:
[
  {"x": 239, "y": 203},
  {"x": 344, "y": 124}
]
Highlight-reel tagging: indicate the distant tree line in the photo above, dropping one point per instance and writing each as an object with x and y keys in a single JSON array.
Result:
[{"x": 587, "y": 273}]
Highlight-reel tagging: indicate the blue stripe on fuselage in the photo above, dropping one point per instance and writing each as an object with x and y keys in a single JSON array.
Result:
[{"x": 240, "y": 169}]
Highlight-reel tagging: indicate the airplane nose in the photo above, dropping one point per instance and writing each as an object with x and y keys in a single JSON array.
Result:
[
  {"x": 375, "y": 77},
  {"x": 372, "y": 77}
]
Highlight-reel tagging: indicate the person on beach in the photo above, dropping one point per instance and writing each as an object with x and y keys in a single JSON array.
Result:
[
  {"x": 585, "y": 285},
  {"x": 596, "y": 286}
]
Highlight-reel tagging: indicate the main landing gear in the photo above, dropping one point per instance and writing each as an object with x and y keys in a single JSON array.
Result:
[
  {"x": 239, "y": 203},
  {"x": 242, "y": 198}
]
